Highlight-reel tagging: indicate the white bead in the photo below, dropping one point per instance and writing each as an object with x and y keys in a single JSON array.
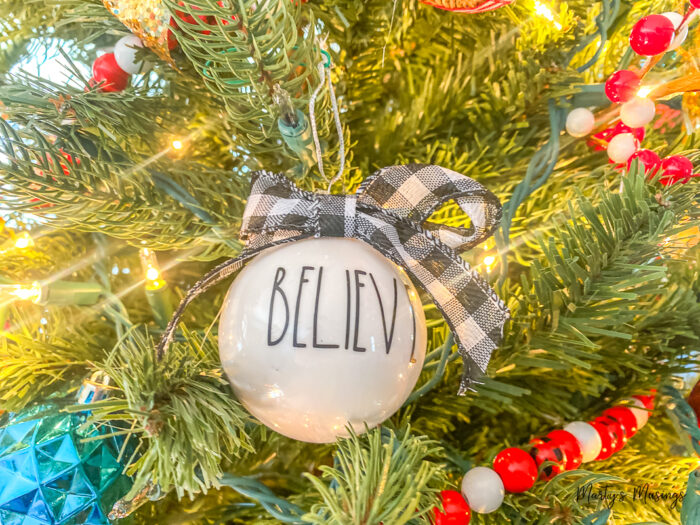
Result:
[
  {"x": 641, "y": 414},
  {"x": 483, "y": 490},
  {"x": 125, "y": 54},
  {"x": 306, "y": 357},
  {"x": 638, "y": 112},
  {"x": 587, "y": 437},
  {"x": 622, "y": 147},
  {"x": 676, "y": 19},
  {"x": 580, "y": 122}
]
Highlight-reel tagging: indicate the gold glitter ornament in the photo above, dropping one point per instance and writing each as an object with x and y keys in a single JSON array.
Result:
[{"x": 147, "y": 19}]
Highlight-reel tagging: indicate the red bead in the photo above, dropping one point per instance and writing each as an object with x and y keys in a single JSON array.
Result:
[
  {"x": 607, "y": 439},
  {"x": 695, "y": 4},
  {"x": 675, "y": 168},
  {"x": 456, "y": 510},
  {"x": 517, "y": 469},
  {"x": 652, "y": 35},
  {"x": 616, "y": 431},
  {"x": 105, "y": 69},
  {"x": 625, "y": 417},
  {"x": 648, "y": 400},
  {"x": 650, "y": 161},
  {"x": 622, "y": 86},
  {"x": 607, "y": 134},
  {"x": 570, "y": 446},
  {"x": 545, "y": 449}
]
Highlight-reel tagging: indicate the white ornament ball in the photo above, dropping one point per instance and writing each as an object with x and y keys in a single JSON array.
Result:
[
  {"x": 483, "y": 490},
  {"x": 621, "y": 147},
  {"x": 676, "y": 19},
  {"x": 587, "y": 437},
  {"x": 125, "y": 54},
  {"x": 322, "y": 333},
  {"x": 638, "y": 112},
  {"x": 580, "y": 122},
  {"x": 641, "y": 414}
]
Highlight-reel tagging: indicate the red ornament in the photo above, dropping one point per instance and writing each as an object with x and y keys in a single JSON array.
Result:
[
  {"x": 224, "y": 21},
  {"x": 616, "y": 431},
  {"x": 606, "y": 438},
  {"x": 622, "y": 86},
  {"x": 456, "y": 510},
  {"x": 182, "y": 19},
  {"x": 187, "y": 18},
  {"x": 545, "y": 449},
  {"x": 467, "y": 6},
  {"x": 652, "y": 35},
  {"x": 607, "y": 134},
  {"x": 570, "y": 446},
  {"x": 674, "y": 169},
  {"x": 695, "y": 4},
  {"x": 105, "y": 69},
  {"x": 649, "y": 160},
  {"x": 625, "y": 417},
  {"x": 517, "y": 469}
]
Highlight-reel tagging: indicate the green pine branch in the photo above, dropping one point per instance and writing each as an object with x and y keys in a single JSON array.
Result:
[{"x": 379, "y": 477}]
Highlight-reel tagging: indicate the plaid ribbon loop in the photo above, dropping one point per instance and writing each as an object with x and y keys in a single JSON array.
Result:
[{"x": 390, "y": 212}]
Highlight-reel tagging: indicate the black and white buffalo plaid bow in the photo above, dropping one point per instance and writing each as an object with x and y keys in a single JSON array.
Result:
[{"x": 389, "y": 212}]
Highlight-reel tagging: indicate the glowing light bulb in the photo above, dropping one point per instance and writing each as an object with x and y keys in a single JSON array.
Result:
[
  {"x": 24, "y": 241},
  {"x": 545, "y": 12},
  {"x": 151, "y": 269},
  {"x": 644, "y": 91},
  {"x": 152, "y": 274},
  {"x": 489, "y": 261},
  {"x": 23, "y": 292},
  {"x": 177, "y": 144}
]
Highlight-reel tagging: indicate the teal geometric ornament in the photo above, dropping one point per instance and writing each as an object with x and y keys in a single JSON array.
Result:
[{"x": 53, "y": 473}]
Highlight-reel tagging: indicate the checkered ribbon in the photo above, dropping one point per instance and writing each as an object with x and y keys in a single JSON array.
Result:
[{"x": 389, "y": 212}]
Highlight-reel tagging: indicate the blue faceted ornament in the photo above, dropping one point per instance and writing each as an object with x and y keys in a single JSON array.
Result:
[{"x": 56, "y": 470}]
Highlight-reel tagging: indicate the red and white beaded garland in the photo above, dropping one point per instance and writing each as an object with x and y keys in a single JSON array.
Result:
[
  {"x": 651, "y": 36},
  {"x": 112, "y": 72},
  {"x": 516, "y": 470}
]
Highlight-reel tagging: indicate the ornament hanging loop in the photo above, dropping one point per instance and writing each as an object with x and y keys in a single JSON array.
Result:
[{"x": 324, "y": 72}]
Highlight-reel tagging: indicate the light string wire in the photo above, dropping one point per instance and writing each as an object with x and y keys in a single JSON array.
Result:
[{"x": 543, "y": 162}]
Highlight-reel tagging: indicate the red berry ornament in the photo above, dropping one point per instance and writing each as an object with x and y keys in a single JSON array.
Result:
[
  {"x": 650, "y": 161},
  {"x": 545, "y": 449},
  {"x": 456, "y": 510},
  {"x": 105, "y": 69},
  {"x": 652, "y": 35},
  {"x": 674, "y": 169},
  {"x": 622, "y": 86},
  {"x": 517, "y": 469},
  {"x": 695, "y": 4},
  {"x": 625, "y": 417},
  {"x": 570, "y": 446}
]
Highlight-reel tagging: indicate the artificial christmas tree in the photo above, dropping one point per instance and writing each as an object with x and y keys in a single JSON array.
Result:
[{"x": 152, "y": 150}]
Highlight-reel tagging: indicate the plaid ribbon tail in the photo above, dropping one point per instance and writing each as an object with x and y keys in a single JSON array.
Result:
[{"x": 472, "y": 310}]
